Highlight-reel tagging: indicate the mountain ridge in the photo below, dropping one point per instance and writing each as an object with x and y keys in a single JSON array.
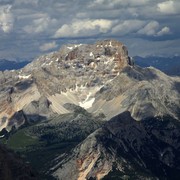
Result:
[
  {"x": 75, "y": 74},
  {"x": 32, "y": 79},
  {"x": 88, "y": 112},
  {"x": 137, "y": 150}
]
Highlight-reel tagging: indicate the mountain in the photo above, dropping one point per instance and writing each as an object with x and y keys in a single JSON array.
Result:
[
  {"x": 88, "y": 112},
  {"x": 169, "y": 65},
  {"x": 95, "y": 77},
  {"x": 11, "y": 65},
  {"x": 126, "y": 149},
  {"x": 72, "y": 75}
]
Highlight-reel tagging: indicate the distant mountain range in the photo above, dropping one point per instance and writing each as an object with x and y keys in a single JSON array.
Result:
[
  {"x": 10, "y": 65},
  {"x": 169, "y": 65}
]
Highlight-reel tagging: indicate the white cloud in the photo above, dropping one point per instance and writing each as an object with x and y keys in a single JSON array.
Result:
[
  {"x": 128, "y": 26},
  {"x": 169, "y": 7},
  {"x": 153, "y": 29},
  {"x": 48, "y": 46},
  {"x": 6, "y": 18},
  {"x": 40, "y": 25},
  {"x": 150, "y": 29},
  {"x": 81, "y": 28},
  {"x": 36, "y": 21},
  {"x": 163, "y": 31}
]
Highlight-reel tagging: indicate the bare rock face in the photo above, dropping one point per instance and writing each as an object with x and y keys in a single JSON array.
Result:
[
  {"x": 94, "y": 53},
  {"x": 144, "y": 92},
  {"x": 126, "y": 149},
  {"x": 118, "y": 51},
  {"x": 72, "y": 75}
]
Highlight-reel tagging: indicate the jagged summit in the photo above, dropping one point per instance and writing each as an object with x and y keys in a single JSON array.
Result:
[
  {"x": 87, "y": 56},
  {"x": 84, "y": 64}
]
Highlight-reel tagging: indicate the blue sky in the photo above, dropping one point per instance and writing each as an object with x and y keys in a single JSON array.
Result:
[{"x": 29, "y": 28}]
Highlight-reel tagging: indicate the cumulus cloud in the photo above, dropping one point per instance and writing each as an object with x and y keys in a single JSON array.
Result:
[
  {"x": 36, "y": 21},
  {"x": 6, "y": 19},
  {"x": 163, "y": 31},
  {"x": 150, "y": 29},
  {"x": 40, "y": 25},
  {"x": 153, "y": 29},
  {"x": 48, "y": 46},
  {"x": 169, "y": 7},
  {"x": 128, "y": 26},
  {"x": 81, "y": 28}
]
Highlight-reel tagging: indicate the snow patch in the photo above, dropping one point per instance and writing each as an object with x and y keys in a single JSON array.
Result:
[
  {"x": 50, "y": 62},
  {"x": 76, "y": 89},
  {"x": 77, "y": 45},
  {"x": 88, "y": 102},
  {"x": 24, "y": 76},
  {"x": 91, "y": 54},
  {"x": 110, "y": 44},
  {"x": 71, "y": 48},
  {"x": 64, "y": 93},
  {"x": 109, "y": 60},
  {"x": 43, "y": 64}
]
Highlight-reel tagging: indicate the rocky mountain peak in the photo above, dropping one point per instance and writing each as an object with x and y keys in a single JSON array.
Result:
[
  {"x": 93, "y": 76},
  {"x": 84, "y": 64},
  {"x": 93, "y": 54},
  {"x": 71, "y": 75}
]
